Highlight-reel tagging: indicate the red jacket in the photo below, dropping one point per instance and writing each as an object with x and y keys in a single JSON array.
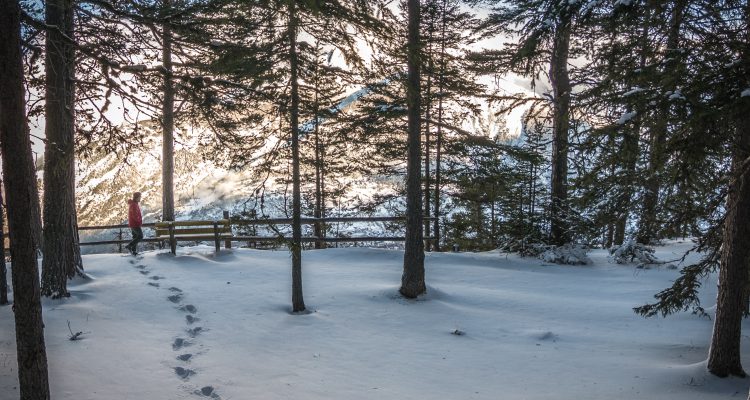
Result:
[{"x": 134, "y": 215}]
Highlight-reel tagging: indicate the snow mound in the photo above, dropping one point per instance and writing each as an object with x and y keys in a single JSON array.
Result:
[
  {"x": 568, "y": 254},
  {"x": 631, "y": 251}
]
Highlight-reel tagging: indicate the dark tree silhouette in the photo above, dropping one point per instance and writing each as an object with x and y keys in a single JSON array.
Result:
[
  {"x": 412, "y": 280},
  {"x": 20, "y": 189}
]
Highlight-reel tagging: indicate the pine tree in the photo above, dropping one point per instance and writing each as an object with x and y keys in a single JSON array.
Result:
[
  {"x": 62, "y": 255},
  {"x": 3, "y": 270},
  {"x": 298, "y": 303},
  {"x": 21, "y": 194},
  {"x": 544, "y": 30},
  {"x": 412, "y": 280},
  {"x": 659, "y": 131},
  {"x": 724, "y": 354},
  {"x": 167, "y": 120}
]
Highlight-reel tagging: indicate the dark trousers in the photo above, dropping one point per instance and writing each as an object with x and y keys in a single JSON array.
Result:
[{"x": 137, "y": 237}]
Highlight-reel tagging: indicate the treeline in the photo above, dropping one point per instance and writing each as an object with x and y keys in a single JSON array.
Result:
[{"x": 638, "y": 129}]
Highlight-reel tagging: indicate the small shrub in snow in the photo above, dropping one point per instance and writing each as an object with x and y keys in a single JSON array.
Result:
[
  {"x": 631, "y": 251},
  {"x": 531, "y": 249},
  {"x": 568, "y": 254}
]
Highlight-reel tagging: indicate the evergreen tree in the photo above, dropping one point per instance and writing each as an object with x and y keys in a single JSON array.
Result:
[
  {"x": 668, "y": 81},
  {"x": 62, "y": 255},
  {"x": 21, "y": 194},
  {"x": 167, "y": 119},
  {"x": 724, "y": 354},
  {"x": 546, "y": 36},
  {"x": 412, "y": 280},
  {"x": 298, "y": 303},
  {"x": 3, "y": 270}
]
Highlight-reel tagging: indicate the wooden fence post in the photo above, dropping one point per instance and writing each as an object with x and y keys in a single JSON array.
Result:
[
  {"x": 228, "y": 242},
  {"x": 216, "y": 236},
  {"x": 172, "y": 241}
]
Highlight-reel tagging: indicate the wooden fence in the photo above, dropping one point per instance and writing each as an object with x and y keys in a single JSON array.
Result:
[{"x": 123, "y": 231}]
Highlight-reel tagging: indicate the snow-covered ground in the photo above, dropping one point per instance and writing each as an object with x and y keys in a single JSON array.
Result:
[{"x": 199, "y": 324}]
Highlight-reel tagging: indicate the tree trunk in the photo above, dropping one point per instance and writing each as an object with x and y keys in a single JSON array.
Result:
[
  {"x": 21, "y": 194},
  {"x": 724, "y": 353},
  {"x": 412, "y": 280},
  {"x": 560, "y": 126},
  {"x": 428, "y": 118},
  {"x": 167, "y": 171},
  {"x": 319, "y": 196},
  {"x": 3, "y": 269},
  {"x": 427, "y": 159},
  {"x": 630, "y": 142},
  {"x": 630, "y": 148},
  {"x": 62, "y": 255},
  {"x": 298, "y": 303},
  {"x": 649, "y": 226},
  {"x": 439, "y": 133}
]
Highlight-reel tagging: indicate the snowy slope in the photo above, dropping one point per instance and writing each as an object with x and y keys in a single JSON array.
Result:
[{"x": 531, "y": 331}]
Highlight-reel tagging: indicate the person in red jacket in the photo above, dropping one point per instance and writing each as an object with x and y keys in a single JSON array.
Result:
[{"x": 135, "y": 221}]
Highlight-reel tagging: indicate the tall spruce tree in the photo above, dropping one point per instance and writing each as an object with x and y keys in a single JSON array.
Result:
[
  {"x": 21, "y": 195},
  {"x": 413, "y": 277},
  {"x": 62, "y": 255},
  {"x": 298, "y": 303},
  {"x": 544, "y": 30},
  {"x": 3, "y": 269},
  {"x": 669, "y": 77},
  {"x": 167, "y": 119},
  {"x": 724, "y": 354}
]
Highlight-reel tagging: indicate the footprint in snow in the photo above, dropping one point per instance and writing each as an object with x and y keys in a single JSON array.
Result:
[
  {"x": 185, "y": 357},
  {"x": 140, "y": 266},
  {"x": 194, "y": 331},
  {"x": 184, "y": 373},
  {"x": 548, "y": 336},
  {"x": 189, "y": 308},
  {"x": 144, "y": 272},
  {"x": 176, "y": 290},
  {"x": 175, "y": 298},
  {"x": 154, "y": 284},
  {"x": 190, "y": 319},
  {"x": 207, "y": 391},
  {"x": 180, "y": 343},
  {"x": 156, "y": 277}
]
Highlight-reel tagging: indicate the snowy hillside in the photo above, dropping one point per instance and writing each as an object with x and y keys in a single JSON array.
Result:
[
  {"x": 203, "y": 189},
  {"x": 491, "y": 326}
]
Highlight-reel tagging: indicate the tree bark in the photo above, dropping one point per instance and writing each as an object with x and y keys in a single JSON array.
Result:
[
  {"x": 62, "y": 255},
  {"x": 428, "y": 118},
  {"x": 427, "y": 159},
  {"x": 412, "y": 280},
  {"x": 20, "y": 190},
  {"x": 648, "y": 228},
  {"x": 724, "y": 353},
  {"x": 560, "y": 126},
  {"x": 630, "y": 141},
  {"x": 630, "y": 148},
  {"x": 439, "y": 133},
  {"x": 3, "y": 268},
  {"x": 167, "y": 172},
  {"x": 298, "y": 303},
  {"x": 319, "y": 164}
]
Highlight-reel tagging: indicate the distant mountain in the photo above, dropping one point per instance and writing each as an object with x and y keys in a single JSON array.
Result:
[{"x": 203, "y": 189}]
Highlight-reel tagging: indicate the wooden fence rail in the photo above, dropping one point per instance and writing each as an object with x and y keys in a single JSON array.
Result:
[{"x": 263, "y": 239}]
